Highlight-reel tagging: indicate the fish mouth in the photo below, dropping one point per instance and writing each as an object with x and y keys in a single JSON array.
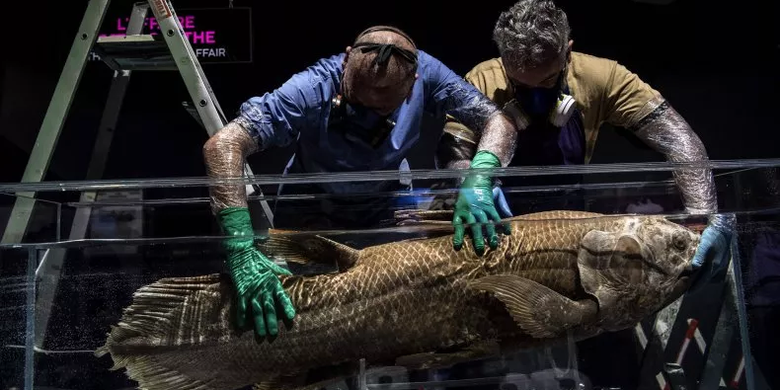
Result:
[
  {"x": 689, "y": 275},
  {"x": 689, "y": 271}
]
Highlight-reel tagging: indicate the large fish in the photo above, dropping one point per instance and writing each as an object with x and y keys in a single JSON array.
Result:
[{"x": 413, "y": 303}]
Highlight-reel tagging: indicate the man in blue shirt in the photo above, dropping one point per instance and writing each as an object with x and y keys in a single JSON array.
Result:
[{"x": 357, "y": 111}]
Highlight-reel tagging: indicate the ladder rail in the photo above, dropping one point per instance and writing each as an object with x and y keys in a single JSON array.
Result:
[
  {"x": 53, "y": 121},
  {"x": 49, "y": 271},
  {"x": 210, "y": 116},
  {"x": 207, "y": 106}
]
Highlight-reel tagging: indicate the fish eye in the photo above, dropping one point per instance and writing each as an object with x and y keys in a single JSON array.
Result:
[{"x": 680, "y": 241}]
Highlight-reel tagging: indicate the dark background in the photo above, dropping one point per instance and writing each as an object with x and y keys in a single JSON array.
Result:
[{"x": 716, "y": 64}]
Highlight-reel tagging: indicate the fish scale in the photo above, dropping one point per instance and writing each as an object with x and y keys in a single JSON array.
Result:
[{"x": 397, "y": 300}]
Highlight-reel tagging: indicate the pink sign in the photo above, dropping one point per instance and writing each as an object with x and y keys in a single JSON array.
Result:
[{"x": 195, "y": 36}]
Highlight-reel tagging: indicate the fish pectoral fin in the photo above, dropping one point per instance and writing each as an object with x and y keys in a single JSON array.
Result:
[
  {"x": 273, "y": 384},
  {"x": 538, "y": 310},
  {"x": 303, "y": 248},
  {"x": 436, "y": 360}
]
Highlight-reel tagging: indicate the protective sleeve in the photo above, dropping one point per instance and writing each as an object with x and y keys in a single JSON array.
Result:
[
  {"x": 273, "y": 119},
  {"x": 224, "y": 155},
  {"x": 631, "y": 103},
  {"x": 455, "y": 97},
  {"x": 667, "y": 132},
  {"x": 276, "y": 118},
  {"x": 458, "y": 143}
]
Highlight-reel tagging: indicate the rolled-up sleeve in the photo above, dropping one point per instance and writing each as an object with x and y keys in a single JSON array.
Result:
[
  {"x": 276, "y": 118},
  {"x": 453, "y": 96}
]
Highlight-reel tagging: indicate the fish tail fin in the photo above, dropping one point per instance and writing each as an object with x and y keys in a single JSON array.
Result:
[
  {"x": 164, "y": 315},
  {"x": 303, "y": 248}
]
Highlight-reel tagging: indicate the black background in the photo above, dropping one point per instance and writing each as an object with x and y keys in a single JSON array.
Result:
[{"x": 716, "y": 64}]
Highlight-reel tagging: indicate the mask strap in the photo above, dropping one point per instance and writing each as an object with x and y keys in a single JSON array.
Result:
[
  {"x": 386, "y": 28},
  {"x": 385, "y": 51}
]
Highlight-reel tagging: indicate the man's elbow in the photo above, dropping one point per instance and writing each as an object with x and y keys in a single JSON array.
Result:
[
  {"x": 212, "y": 146},
  {"x": 231, "y": 139}
]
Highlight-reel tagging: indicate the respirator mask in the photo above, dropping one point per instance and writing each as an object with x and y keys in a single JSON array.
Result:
[
  {"x": 531, "y": 104},
  {"x": 357, "y": 122}
]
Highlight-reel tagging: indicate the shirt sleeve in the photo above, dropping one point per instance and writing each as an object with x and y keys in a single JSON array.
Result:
[
  {"x": 453, "y": 96},
  {"x": 627, "y": 98},
  {"x": 276, "y": 118}
]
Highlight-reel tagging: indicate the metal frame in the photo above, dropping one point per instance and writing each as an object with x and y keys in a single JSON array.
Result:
[
  {"x": 209, "y": 115},
  {"x": 731, "y": 322},
  {"x": 41, "y": 154},
  {"x": 205, "y": 103},
  {"x": 48, "y": 273}
]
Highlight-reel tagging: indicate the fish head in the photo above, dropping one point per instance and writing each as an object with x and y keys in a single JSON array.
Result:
[
  {"x": 668, "y": 263},
  {"x": 636, "y": 266}
]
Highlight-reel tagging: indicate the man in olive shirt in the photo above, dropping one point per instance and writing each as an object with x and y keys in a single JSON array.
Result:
[{"x": 559, "y": 99}]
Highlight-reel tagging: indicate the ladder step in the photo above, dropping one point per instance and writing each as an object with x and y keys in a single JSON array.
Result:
[{"x": 134, "y": 52}]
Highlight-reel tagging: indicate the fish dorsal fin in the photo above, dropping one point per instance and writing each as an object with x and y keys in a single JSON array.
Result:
[
  {"x": 432, "y": 223},
  {"x": 303, "y": 248},
  {"x": 609, "y": 264},
  {"x": 423, "y": 215},
  {"x": 555, "y": 214},
  {"x": 438, "y": 217},
  {"x": 538, "y": 310}
]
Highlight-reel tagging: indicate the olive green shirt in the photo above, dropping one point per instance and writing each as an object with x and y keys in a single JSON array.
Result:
[{"x": 604, "y": 91}]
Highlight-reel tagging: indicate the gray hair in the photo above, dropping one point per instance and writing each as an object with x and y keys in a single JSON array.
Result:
[{"x": 532, "y": 33}]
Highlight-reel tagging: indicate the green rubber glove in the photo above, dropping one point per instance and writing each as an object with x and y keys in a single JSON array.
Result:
[
  {"x": 258, "y": 289},
  {"x": 475, "y": 205}
]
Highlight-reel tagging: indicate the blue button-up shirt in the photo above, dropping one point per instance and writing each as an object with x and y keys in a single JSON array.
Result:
[{"x": 301, "y": 107}]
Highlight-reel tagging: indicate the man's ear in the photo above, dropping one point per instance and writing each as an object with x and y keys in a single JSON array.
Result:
[
  {"x": 411, "y": 89},
  {"x": 568, "y": 52},
  {"x": 346, "y": 56}
]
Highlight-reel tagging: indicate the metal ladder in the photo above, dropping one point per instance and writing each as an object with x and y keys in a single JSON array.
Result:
[{"x": 124, "y": 54}]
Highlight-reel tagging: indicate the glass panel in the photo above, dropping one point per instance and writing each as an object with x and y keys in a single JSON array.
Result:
[
  {"x": 88, "y": 266},
  {"x": 17, "y": 271},
  {"x": 35, "y": 221}
]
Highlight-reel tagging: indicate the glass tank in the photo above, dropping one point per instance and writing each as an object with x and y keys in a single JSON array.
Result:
[{"x": 119, "y": 284}]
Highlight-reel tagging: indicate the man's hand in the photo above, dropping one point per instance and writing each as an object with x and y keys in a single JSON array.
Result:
[
  {"x": 712, "y": 255},
  {"x": 258, "y": 288},
  {"x": 475, "y": 205}
]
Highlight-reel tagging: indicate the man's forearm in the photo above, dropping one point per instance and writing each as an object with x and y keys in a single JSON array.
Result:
[
  {"x": 499, "y": 137},
  {"x": 667, "y": 132},
  {"x": 224, "y": 155}
]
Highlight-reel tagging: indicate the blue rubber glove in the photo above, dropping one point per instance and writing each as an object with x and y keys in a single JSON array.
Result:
[
  {"x": 500, "y": 201},
  {"x": 475, "y": 205},
  {"x": 712, "y": 255}
]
